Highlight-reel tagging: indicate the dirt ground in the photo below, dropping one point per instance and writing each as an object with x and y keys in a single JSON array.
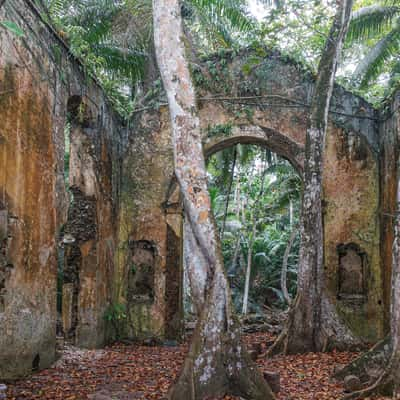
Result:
[{"x": 122, "y": 372}]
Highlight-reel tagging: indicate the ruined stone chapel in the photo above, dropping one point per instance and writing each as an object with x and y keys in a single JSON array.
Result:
[{"x": 99, "y": 202}]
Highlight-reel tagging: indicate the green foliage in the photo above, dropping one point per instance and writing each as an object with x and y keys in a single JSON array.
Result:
[
  {"x": 116, "y": 314},
  {"x": 91, "y": 29},
  {"x": 218, "y": 130},
  {"x": 295, "y": 27},
  {"x": 367, "y": 22},
  {"x": 113, "y": 38},
  {"x": 13, "y": 27},
  {"x": 218, "y": 21},
  {"x": 375, "y": 30},
  {"x": 274, "y": 222}
]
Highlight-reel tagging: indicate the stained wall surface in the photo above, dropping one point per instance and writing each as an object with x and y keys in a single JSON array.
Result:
[
  {"x": 37, "y": 79},
  {"x": 389, "y": 163}
]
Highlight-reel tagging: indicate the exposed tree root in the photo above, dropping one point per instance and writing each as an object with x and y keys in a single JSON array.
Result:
[
  {"x": 217, "y": 363},
  {"x": 386, "y": 384},
  {"x": 369, "y": 364},
  {"x": 329, "y": 333},
  {"x": 377, "y": 370}
]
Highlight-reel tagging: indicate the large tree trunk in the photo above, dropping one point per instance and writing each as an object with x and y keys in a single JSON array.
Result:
[
  {"x": 388, "y": 383},
  {"x": 216, "y": 363},
  {"x": 313, "y": 324}
]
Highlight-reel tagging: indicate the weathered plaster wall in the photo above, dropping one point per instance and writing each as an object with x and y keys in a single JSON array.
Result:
[
  {"x": 28, "y": 260},
  {"x": 91, "y": 224},
  {"x": 269, "y": 108},
  {"x": 150, "y": 213},
  {"x": 351, "y": 204},
  {"x": 389, "y": 135},
  {"x": 37, "y": 77}
]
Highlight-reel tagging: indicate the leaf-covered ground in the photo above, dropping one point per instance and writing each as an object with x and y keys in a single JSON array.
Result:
[{"x": 127, "y": 372}]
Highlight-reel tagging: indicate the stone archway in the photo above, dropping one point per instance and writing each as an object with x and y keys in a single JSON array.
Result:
[
  {"x": 264, "y": 137},
  {"x": 349, "y": 215},
  {"x": 132, "y": 168}
]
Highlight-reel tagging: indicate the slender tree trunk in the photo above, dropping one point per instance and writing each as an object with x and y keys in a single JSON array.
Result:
[
  {"x": 251, "y": 241},
  {"x": 217, "y": 363},
  {"x": 313, "y": 324},
  {"x": 229, "y": 192},
  {"x": 248, "y": 268},
  {"x": 388, "y": 382},
  {"x": 286, "y": 255},
  {"x": 235, "y": 258}
]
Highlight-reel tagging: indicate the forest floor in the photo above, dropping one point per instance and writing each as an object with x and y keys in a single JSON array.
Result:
[{"x": 127, "y": 372}]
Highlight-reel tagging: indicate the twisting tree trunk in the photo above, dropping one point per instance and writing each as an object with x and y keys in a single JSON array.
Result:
[
  {"x": 313, "y": 323},
  {"x": 216, "y": 363},
  {"x": 388, "y": 382}
]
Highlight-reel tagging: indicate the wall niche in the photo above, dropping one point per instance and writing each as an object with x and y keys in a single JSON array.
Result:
[
  {"x": 141, "y": 272},
  {"x": 352, "y": 273}
]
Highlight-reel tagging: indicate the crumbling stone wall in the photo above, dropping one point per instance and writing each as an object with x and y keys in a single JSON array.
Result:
[
  {"x": 270, "y": 108},
  {"x": 148, "y": 212},
  {"x": 118, "y": 232},
  {"x": 37, "y": 77}
]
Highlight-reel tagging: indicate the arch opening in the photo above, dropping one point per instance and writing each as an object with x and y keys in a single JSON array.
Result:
[
  {"x": 256, "y": 199},
  {"x": 221, "y": 137}
]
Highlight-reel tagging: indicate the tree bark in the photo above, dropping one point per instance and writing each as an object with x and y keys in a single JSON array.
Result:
[
  {"x": 248, "y": 268},
  {"x": 313, "y": 324},
  {"x": 251, "y": 243},
  {"x": 217, "y": 363},
  {"x": 289, "y": 246},
  {"x": 291, "y": 217},
  {"x": 229, "y": 192},
  {"x": 235, "y": 259},
  {"x": 388, "y": 383}
]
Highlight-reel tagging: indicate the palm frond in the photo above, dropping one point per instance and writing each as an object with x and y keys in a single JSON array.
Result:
[
  {"x": 370, "y": 67},
  {"x": 221, "y": 18},
  {"x": 368, "y": 22},
  {"x": 127, "y": 63}
]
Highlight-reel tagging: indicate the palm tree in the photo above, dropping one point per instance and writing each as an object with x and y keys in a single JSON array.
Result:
[
  {"x": 381, "y": 24},
  {"x": 114, "y": 39},
  {"x": 119, "y": 31},
  {"x": 88, "y": 26}
]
